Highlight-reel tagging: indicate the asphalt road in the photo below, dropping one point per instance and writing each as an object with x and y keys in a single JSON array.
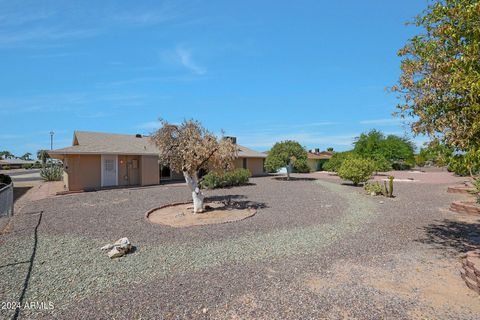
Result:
[{"x": 23, "y": 175}]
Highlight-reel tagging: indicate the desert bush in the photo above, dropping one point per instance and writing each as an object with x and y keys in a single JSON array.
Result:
[
  {"x": 420, "y": 160},
  {"x": 373, "y": 188},
  {"x": 335, "y": 162},
  {"x": 54, "y": 173},
  {"x": 465, "y": 164},
  {"x": 382, "y": 164},
  {"x": 235, "y": 177},
  {"x": 356, "y": 170},
  {"x": 401, "y": 166}
]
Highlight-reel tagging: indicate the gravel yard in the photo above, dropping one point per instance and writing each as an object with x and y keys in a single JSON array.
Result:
[{"x": 314, "y": 249}]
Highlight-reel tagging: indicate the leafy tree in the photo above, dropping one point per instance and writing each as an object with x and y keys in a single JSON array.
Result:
[
  {"x": 330, "y": 149},
  {"x": 285, "y": 154},
  {"x": 26, "y": 156},
  {"x": 436, "y": 153},
  {"x": 6, "y": 155},
  {"x": 356, "y": 170},
  {"x": 190, "y": 148},
  {"x": 381, "y": 164},
  {"x": 440, "y": 80},
  {"x": 301, "y": 165},
  {"x": 43, "y": 156},
  {"x": 375, "y": 145}
]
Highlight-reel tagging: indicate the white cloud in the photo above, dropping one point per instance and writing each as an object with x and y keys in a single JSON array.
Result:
[
  {"x": 185, "y": 58},
  {"x": 39, "y": 24}
]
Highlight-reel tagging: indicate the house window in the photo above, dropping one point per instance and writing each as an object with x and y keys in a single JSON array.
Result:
[
  {"x": 244, "y": 163},
  {"x": 109, "y": 165}
]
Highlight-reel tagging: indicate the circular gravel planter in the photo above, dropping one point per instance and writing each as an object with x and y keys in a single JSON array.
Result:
[
  {"x": 469, "y": 207},
  {"x": 460, "y": 189},
  {"x": 179, "y": 215}
]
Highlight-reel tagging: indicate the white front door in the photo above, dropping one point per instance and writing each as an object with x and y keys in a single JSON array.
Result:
[{"x": 109, "y": 171}]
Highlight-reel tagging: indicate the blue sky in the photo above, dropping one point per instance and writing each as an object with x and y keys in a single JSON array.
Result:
[{"x": 264, "y": 71}]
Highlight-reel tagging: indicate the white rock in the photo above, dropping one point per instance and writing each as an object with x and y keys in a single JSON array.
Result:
[
  {"x": 107, "y": 247},
  {"x": 123, "y": 243},
  {"x": 116, "y": 253},
  {"x": 121, "y": 247}
]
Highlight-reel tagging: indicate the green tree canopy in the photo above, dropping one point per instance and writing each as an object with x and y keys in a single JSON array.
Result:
[
  {"x": 43, "y": 156},
  {"x": 376, "y": 146},
  {"x": 26, "y": 156},
  {"x": 285, "y": 154},
  {"x": 440, "y": 80}
]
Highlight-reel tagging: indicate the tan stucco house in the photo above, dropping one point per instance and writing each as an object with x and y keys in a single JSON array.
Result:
[
  {"x": 99, "y": 160},
  {"x": 315, "y": 159}
]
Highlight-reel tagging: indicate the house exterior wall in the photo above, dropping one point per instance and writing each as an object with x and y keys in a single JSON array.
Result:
[
  {"x": 255, "y": 165},
  {"x": 312, "y": 164},
  {"x": 149, "y": 170},
  {"x": 128, "y": 170},
  {"x": 83, "y": 172}
]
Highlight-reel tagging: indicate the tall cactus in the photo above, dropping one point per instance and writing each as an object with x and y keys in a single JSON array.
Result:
[{"x": 390, "y": 184}]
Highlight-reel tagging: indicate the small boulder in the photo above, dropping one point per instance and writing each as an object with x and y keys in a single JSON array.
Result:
[
  {"x": 116, "y": 253},
  {"x": 121, "y": 247}
]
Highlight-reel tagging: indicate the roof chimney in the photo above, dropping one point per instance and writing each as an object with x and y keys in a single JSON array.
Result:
[
  {"x": 317, "y": 150},
  {"x": 233, "y": 139},
  {"x": 138, "y": 135}
]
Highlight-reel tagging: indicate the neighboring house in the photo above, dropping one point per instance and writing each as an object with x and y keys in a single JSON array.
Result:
[
  {"x": 14, "y": 163},
  {"x": 96, "y": 160},
  {"x": 316, "y": 159}
]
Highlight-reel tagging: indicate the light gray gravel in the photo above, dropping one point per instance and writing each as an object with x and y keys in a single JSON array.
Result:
[{"x": 311, "y": 251}]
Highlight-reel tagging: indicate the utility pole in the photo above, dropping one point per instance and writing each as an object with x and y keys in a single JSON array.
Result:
[{"x": 51, "y": 139}]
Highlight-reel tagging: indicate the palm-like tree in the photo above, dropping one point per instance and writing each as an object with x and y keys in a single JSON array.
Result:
[
  {"x": 26, "y": 156},
  {"x": 6, "y": 155},
  {"x": 43, "y": 155}
]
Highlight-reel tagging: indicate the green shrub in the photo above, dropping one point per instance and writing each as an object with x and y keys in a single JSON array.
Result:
[
  {"x": 54, "y": 173},
  {"x": 382, "y": 164},
  {"x": 373, "y": 188},
  {"x": 356, "y": 170},
  {"x": 401, "y": 166},
  {"x": 458, "y": 165},
  {"x": 420, "y": 160},
  {"x": 235, "y": 177},
  {"x": 27, "y": 166},
  {"x": 5, "y": 179},
  {"x": 334, "y": 163},
  {"x": 6, "y": 167},
  {"x": 37, "y": 165},
  {"x": 301, "y": 166},
  {"x": 462, "y": 164}
]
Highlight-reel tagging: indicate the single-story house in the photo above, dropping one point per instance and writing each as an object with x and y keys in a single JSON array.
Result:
[
  {"x": 316, "y": 159},
  {"x": 14, "y": 163},
  {"x": 97, "y": 160}
]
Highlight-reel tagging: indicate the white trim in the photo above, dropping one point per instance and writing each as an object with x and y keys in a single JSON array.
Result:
[{"x": 103, "y": 168}]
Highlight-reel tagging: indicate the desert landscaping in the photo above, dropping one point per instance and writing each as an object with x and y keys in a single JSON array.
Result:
[
  {"x": 240, "y": 160},
  {"x": 329, "y": 250}
]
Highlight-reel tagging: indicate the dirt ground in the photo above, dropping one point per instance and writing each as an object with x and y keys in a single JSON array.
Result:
[{"x": 181, "y": 215}]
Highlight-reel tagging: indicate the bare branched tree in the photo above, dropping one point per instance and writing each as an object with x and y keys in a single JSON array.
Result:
[{"x": 189, "y": 148}]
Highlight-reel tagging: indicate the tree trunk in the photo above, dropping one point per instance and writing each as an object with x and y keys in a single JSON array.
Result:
[
  {"x": 197, "y": 195},
  {"x": 289, "y": 170}
]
